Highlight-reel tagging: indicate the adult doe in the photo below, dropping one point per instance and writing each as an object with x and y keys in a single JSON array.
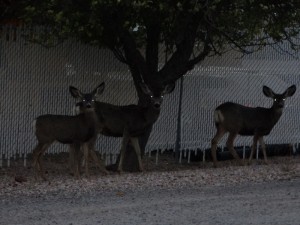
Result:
[
  {"x": 246, "y": 121},
  {"x": 130, "y": 121},
  {"x": 77, "y": 131}
]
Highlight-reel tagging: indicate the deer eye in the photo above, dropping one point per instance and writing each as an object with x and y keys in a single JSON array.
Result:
[
  {"x": 151, "y": 96},
  {"x": 93, "y": 100},
  {"x": 283, "y": 99},
  {"x": 275, "y": 99},
  {"x": 83, "y": 100}
]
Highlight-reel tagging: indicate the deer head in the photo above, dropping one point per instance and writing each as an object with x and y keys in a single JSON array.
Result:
[
  {"x": 87, "y": 101},
  {"x": 279, "y": 99},
  {"x": 156, "y": 98}
]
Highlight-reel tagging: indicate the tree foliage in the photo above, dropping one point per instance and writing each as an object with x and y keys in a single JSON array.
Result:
[
  {"x": 188, "y": 30},
  {"x": 10, "y": 9}
]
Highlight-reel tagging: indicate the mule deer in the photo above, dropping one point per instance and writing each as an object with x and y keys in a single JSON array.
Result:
[
  {"x": 130, "y": 121},
  {"x": 246, "y": 121},
  {"x": 77, "y": 131}
]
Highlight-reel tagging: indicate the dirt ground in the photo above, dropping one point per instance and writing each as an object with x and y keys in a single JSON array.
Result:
[
  {"x": 57, "y": 164},
  {"x": 165, "y": 193}
]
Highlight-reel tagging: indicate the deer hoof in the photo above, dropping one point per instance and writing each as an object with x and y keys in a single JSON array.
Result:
[
  {"x": 242, "y": 163},
  {"x": 44, "y": 177},
  {"x": 216, "y": 165},
  {"x": 105, "y": 172}
]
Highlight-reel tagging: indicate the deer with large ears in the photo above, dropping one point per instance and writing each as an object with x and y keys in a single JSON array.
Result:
[
  {"x": 246, "y": 121},
  {"x": 78, "y": 131},
  {"x": 130, "y": 121}
]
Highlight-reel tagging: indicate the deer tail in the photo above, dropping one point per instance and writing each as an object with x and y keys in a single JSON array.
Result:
[
  {"x": 34, "y": 126},
  {"x": 218, "y": 117}
]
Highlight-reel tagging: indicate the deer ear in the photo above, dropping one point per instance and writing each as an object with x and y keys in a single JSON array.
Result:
[
  {"x": 169, "y": 88},
  {"x": 290, "y": 91},
  {"x": 268, "y": 92},
  {"x": 145, "y": 89},
  {"x": 99, "y": 90},
  {"x": 75, "y": 92}
]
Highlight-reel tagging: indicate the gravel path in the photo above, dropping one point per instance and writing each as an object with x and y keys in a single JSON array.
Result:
[
  {"x": 275, "y": 202},
  {"x": 256, "y": 194}
]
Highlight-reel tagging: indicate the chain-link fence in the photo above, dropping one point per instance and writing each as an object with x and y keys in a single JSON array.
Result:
[{"x": 34, "y": 80}]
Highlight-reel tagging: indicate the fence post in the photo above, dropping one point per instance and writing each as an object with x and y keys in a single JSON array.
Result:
[{"x": 178, "y": 129}]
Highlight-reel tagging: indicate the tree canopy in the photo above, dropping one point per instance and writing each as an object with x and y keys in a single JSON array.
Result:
[{"x": 187, "y": 30}]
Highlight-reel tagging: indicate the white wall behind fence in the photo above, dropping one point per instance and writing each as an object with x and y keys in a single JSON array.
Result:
[{"x": 34, "y": 80}]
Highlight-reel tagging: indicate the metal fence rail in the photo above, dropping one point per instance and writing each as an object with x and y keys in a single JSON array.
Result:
[{"x": 34, "y": 80}]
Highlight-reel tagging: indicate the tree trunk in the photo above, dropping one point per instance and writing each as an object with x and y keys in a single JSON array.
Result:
[
  {"x": 130, "y": 163},
  {"x": 131, "y": 160},
  {"x": 145, "y": 70}
]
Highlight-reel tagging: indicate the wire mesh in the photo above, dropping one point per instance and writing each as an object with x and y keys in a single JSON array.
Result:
[{"x": 34, "y": 80}]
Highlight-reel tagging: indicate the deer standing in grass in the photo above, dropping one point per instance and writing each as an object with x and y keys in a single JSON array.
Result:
[
  {"x": 77, "y": 131},
  {"x": 247, "y": 121},
  {"x": 130, "y": 121}
]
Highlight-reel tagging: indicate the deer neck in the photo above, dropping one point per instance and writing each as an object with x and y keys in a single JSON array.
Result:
[
  {"x": 151, "y": 114},
  {"x": 90, "y": 117},
  {"x": 276, "y": 113}
]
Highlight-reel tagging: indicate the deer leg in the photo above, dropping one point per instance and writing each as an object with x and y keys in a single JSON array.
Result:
[
  {"x": 230, "y": 147},
  {"x": 136, "y": 146},
  {"x": 72, "y": 161},
  {"x": 100, "y": 165},
  {"x": 253, "y": 148},
  {"x": 77, "y": 160},
  {"x": 263, "y": 147},
  {"x": 98, "y": 162},
  {"x": 123, "y": 149},
  {"x": 37, "y": 158},
  {"x": 86, "y": 159},
  {"x": 36, "y": 153},
  {"x": 214, "y": 144}
]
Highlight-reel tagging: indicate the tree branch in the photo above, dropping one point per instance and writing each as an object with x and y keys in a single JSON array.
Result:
[
  {"x": 201, "y": 56},
  {"x": 152, "y": 47},
  {"x": 134, "y": 57},
  {"x": 119, "y": 55},
  {"x": 178, "y": 64}
]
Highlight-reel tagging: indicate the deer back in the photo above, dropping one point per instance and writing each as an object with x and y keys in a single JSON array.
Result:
[
  {"x": 236, "y": 118},
  {"x": 65, "y": 129},
  {"x": 70, "y": 129},
  {"x": 113, "y": 119},
  {"x": 244, "y": 120}
]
